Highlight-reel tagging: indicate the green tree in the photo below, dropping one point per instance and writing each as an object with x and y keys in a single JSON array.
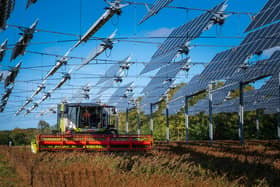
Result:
[{"x": 44, "y": 127}]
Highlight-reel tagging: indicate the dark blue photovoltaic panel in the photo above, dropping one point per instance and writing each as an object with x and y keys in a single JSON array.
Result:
[
  {"x": 155, "y": 8},
  {"x": 175, "y": 106},
  {"x": 254, "y": 42},
  {"x": 120, "y": 93},
  {"x": 200, "y": 106},
  {"x": 220, "y": 95},
  {"x": 261, "y": 69},
  {"x": 270, "y": 13},
  {"x": 218, "y": 68},
  {"x": 229, "y": 106},
  {"x": 165, "y": 75},
  {"x": 179, "y": 37},
  {"x": 109, "y": 84},
  {"x": 113, "y": 71}
]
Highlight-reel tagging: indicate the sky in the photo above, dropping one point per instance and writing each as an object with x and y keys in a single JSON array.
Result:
[{"x": 75, "y": 17}]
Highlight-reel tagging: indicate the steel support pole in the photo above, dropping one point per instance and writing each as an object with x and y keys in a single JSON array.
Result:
[
  {"x": 241, "y": 113},
  {"x": 187, "y": 119},
  {"x": 117, "y": 121},
  {"x": 278, "y": 123},
  {"x": 138, "y": 118},
  {"x": 210, "y": 114},
  {"x": 126, "y": 121},
  {"x": 167, "y": 120},
  {"x": 258, "y": 123},
  {"x": 151, "y": 119},
  {"x": 278, "y": 109}
]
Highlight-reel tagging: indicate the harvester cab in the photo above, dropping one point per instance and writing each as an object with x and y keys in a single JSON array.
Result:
[
  {"x": 88, "y": 126},
  {"x": 88, "y": 118}
]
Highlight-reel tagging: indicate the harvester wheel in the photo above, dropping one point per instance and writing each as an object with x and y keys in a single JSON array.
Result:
[{"x": 34, "y": 147}]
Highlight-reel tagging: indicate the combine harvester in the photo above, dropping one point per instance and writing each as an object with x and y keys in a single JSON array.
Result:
[{"x": 88, "y": 126}]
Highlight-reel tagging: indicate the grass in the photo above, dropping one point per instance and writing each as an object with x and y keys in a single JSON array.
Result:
[
  {"x": 8, "y": 175},
  {"x": 174, "y": 164}
]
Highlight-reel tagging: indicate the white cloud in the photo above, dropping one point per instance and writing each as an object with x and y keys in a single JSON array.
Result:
[{"x": 161, "y": 32}]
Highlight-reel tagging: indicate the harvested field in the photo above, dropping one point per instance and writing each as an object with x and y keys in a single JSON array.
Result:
[{"x": 226, "y": 163}]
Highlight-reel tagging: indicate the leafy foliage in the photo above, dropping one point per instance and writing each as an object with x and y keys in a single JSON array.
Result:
[{"x": 225, "y": 124}]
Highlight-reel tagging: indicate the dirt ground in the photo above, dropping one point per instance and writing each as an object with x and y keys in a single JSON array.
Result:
[{"x": 225, "y": 163}]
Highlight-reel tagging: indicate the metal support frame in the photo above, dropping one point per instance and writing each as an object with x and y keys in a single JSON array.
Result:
[
  {"x": 151, "y": 119},
  {"x": 187, "y": 118},
  {"x": 138, "y": 118},
  {"x": 210, "y": 114},
  {"x": 258, "y": 123},
  {"x": 241, "y": 113},
  {"x": 167, "y": 120},
  {"x": 117, "y": 120},
  {"x": 278, "y": 109},
  {"x": 126, "y": 121}
]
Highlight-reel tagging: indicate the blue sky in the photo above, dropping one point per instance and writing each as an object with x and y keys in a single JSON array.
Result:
[{"x": 69, "y": 17}]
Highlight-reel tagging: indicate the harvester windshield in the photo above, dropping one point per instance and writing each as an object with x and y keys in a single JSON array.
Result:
[{"x": 85, "y": 116}]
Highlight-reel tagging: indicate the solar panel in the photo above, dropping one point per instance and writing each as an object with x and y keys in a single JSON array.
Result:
[
  {"x": 5, "y": 98},
  {"x": 165, "y": 75},
  {"x": 22, "y": 43},
  {"x": 179, "y": 37},
  {"x": 176, "y": 105},
  {"x": 1, "y": 76},
  {"x": 145, "y": 108},
  {"x": 120, "y": 92},
  {"x": 155, "y": 8},
  {"x": 66, "y": 77},
  {"x": 218, "y": 68},
  {"x": 259, "y": 70},
  {"x": 154, "y": 96},
  {"x": 200, "y": 106},
  {"x": 254, "y": 43},
  {"x": 7, "y": 94},
  {"x": 30, "y": 2},
  {"x": 221, "y": 93},
  {"x": 115, "y": 70},
  {"x": 10, "y": 79},
  {"x": 115, "y": 8},
  {"x": 269, "y": 14},
  {"x": 106, "y": 44},
  {"x": 59, "y": 63},
  {"x": 3, "y": 49},
  {"x": 229, "y": 106},
  {"x": 6, "y": 7}
]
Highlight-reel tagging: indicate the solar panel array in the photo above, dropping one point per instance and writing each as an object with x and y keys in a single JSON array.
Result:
[
  {"x": 155, "y": 8},
  {"x": 270, "y": 13},
  {"x": 9, "y": 85},
  {"x": 3, "y": 49},
  {"x": 165, "y": 75},
  {"x": 218, "y": 68},
  {"x": 22, "y": 43},
  {"x": 121, "y": 92},
  {"x": 115, "y": 70},
  {"x": 10, "y": 79},
  {"x": 176, "y": 105},
  {"x": 228, "y": 65},
  {"x": 30, "y": 2},
  {"x": 6, "y": 8},
  {"x": 161, "y": 82},
  {"x": 262, "y": 68},
  {"x": 200, "y": 106},
  {"x": 179, "y": 37}
]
